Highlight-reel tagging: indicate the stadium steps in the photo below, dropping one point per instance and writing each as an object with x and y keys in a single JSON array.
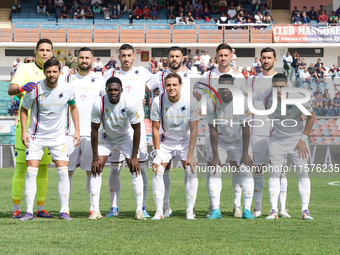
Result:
[
  {"x": 281, "y": 17},
  {"x": 4, "y": 14}
]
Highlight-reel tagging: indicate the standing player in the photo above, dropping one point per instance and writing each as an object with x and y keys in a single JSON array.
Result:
[
  {"x": 120, "y": 126},
  {"x": 88, "y": 86},
  {"x": 30, "y": 72},
  {"x": 232, "y": 144},
  {"x": 178, "y": 116},
  {"x": 175, "y": 59},
  {"x": 290, "y": 138},
  {"x": 260, "y": 135},
  {"x": 133, "y": 82},
  {"x": 223, "y": 57},
  {"x": 48, "y": 102}
]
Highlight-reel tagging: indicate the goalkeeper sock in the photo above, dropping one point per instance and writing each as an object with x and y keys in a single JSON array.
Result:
[{"x": 42, "y": 183}]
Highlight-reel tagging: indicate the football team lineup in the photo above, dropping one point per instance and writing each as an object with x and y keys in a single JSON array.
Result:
[{"x": 107, "y": 123}]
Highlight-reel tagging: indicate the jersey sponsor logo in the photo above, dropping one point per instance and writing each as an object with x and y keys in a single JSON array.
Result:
[
  {"x": 61, "y": 95},
  {"x": 128, "y": 88},
  {"x": 183, "y": 108},
  {"x": 123, "y": 110},
  {"x": 82, "y": 97}
]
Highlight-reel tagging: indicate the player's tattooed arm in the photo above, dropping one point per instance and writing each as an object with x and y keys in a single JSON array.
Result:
[
  {"x": 96, "y": 162},
  {"x": 134, "y": 161},
  {"x": 302, "y": 144},
  {"x": 246, "y": 159},
  {"x": 24, "y": 136},
  {"x": 75, "y": 119},
  {"x": 214, "y": 146},
  {"x": 193, "y": 125}
]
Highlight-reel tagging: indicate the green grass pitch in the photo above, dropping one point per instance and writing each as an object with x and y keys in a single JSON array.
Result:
[{"x": 175, "y": 235}]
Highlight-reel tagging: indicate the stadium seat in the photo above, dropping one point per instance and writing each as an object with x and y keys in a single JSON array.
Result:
[
  {"x": 26, "y": 32},
  {"x": 105, "y": 33},
  {"x": 209, "y": 34},
  {"x": 312, "y": 140},
  {"x": 315, "y": 125},
  {"x": 79, "y": 33},
  {"x": 158, "y": 34},
  {"x": 328, "y": 140},
  {"x": 184, "y": 34},
  {"x": 129, "y": 36},
  {"x": 261, "y": 36},
  {"x": 236, "y": 36},
  {"x": 55, "y": 32},
  {"x": 337, "y": 140},
  {"x": 326, "y": 132},
  {"x": 319, "y": 140}
]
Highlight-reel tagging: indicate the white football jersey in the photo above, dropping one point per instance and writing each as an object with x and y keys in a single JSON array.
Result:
[
  {"x": 260, "y": 82},
  {"x": 293, "y": 116},
  {"x": 133, "y": 84},
  {"x": 174, "y": 117},
  {"x": 116, "y": 119},
  {"x": 87, "y": 88},
  {"x": 157, "y": 81},
  {"x": 48, "y": 109},
  {"x": 231, "y": 131}
]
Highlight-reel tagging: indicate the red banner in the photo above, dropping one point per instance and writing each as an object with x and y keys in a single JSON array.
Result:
[{"x": 289, "y": 34}]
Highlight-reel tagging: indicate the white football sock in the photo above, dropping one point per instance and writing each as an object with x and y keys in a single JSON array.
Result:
[
  {"x": 167, "y": 183},
  {"x": 208, "y": 179},
  {"x": 158, "y": 188},
  {"x": 145, "y": 181},
  {"x": 304, "y": 188},
  {"x": 30, "y": 187},
  {"x": 70, "y": 174},
  {"x": 258, "y": 190},
  {"x": 236, "y": 179},
  {"x": 88, "y": 188},
  {"x": 16, "y": 207},
  {"x": 114, "y": 183},
  {"x": 191, "y": 188},
  {"x": 247, "y": 187},
  {"x": 283, "y": 191},
  {"x": 63, "y": 188},
  {"x": 137, "y": 184},
  {"x": 96, "y": 183},
  {"x": 215, "y": 186},
  {"x": 40, "y": 208},
  {"x": 274, "y": 188}
]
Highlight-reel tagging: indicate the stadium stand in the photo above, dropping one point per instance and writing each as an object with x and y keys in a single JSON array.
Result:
[
  {"x": 158, "y": 34},
  {"x": 103, "y": 33},
  {"x": 55, "y": 32}
]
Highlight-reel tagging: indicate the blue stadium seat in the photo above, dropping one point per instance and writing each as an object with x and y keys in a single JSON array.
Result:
[
  {"x": 184, "y": 27},
  {"x": 133, "y": 27},
  {"x": 199, "y": 21},
  {"x": 104, "y": 26},
  {"x": 319, "y": 140},
  {"x": 315, "y": 126},
  {"x": 158, "y": 27},
  {"x": 326, "y": 132},
  {"x": 208, "y": 27},
  {"x": 337, "y": 140}
]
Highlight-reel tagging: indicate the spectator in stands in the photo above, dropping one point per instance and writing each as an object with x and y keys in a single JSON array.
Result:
[
  {"x": 334, "y": 71},
  {"x": 179, "y": 6},
  {"x": 245, "y": 73},
  {"x": 160, "y": 64},
  {"x": 287, "y": 61},
  {"x": 97, "y": 66},
  {"x": 115, "y": 12},
  {"x": 146, "y": 12},
  {"x": 70, "y": 60},
  {"x": 85, "y": 4},
  {"x": 215, "y": 8},
  {"x": 186, "y": 62},
  {"x": 254, "y": 5},
  {"x": 240, "y": 19},
  {"x": 15, "y": 106},
  {"x": 189, "y": 19},
  {"x": 232, "y": 13},
  {"x": 16, "y": 8},
  {"x": 302, "y": 65},
  {"x": 197, "y": 60},
  {"x": 96, "y": 8},
  {"x": 312, "y": 71},
  {"x": 188, "y": 8},
  {"x": 111, "y": 64},
  {"x": 154, "y": 65},
  {"x": 189, "y": 56},
  {"x": 137, "y": 13},
  {"x": 135, "y": 5},
  {"x": 267, "y": 19},
  {"x": 93, "y": 2},
  {"x": 41, "y": 7},
  {"x": 122, "y": 7},
  {"x": 319, "y": 102},
  {"x": 104, "y": 5},
  {"x": 197, "y": 14},
  {"x": 27, "y": 60},
  {"x": 253, "y": 71},
  {"x": 304, "y": 78},
  {"x": 305, "y": 18},
  {"x": 312, "y": 14},
  {"x": 239, "y": 5},
  {"x": 295, "y": 65},
  {"x": 297, "y": 19},
  {"x": 198, "y": 5},
  {"x": 205, "y": 59},
  {"x": 323, "y": 18},
  {"x": 223, "y": 9},
  {"x": 320, "y": 75},
  {"x": 327, "y": 98},
  {"x": 337, "y": 13},
  {"x": 258, "y": 18},
  {"x": 79, "y": 14},
  {"x": 317, "y": 92},
  {"x": 153, "y": 13},
  {"x": 16, "y": 65},
  {"x": 333, "y": 19},
  {"x": 294, "y": 12},
  {"x": 165, "y": 64},
  {"x": 206, "y": 14},
  {"x": 75, "y": 7},
  {"x": 264, "y": 3},
  {"x": 64, "y": 13},
  {"x": 320, "y": 11},
  {"x": 258, "y": 68},
  {"x": 318, "y": 63},
  {"x": 233, "y": 58},
  {"x": 106, "y": 14},
  {"x": 180, "y": 19},
  {"x": 264, "y": 10},
  {"x": 59, "y": 3},
  {"x": 323, "y": 67},
  {"x": 50, "y": 8},
  {"x": 250, "y": 18},
  {"x": 88, "y": 13},
  {"x": 171, "y": 13},
  {"x": 304, "y": 10},
  {"x": 255, "y": 62},
  {"x": 336, "y": 100}
]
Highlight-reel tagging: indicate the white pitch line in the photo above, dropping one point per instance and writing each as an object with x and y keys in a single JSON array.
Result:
[{"x": 337, "y": 183}]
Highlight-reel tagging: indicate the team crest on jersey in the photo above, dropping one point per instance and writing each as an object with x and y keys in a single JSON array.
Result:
[
  {"x": 123, "y": 110},
  {"x": 107, "y": 110},
  {"x": 128, "y": 88},
  {"x": 229, "y": 128},
  {"x": 115, "y": 127},
  {"x": 51, "y": 114},
  {"x": 175, "y": 126},
  {"x": 219, "y": 108},
  {"x": 61, "y": 95},
  {"x": 41, "y": 96},
  {"x": 93, "y": 80},
  {"x": 183, "y": 108},
  {"x": 73, "y": 78},
  {"x": 15, "y": 154},
  {"x": 166, "y": 109},
  {"x": 185, "y": 75},
  {"x": 137, "y": 115},
  {"x": 137, "y": 72},
  {"x": 83, "y": 97}
]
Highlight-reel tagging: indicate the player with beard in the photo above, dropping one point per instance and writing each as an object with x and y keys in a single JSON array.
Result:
[
  {"x": 133, "y": 81},
  {"x": 175, "y": 59},
  {"x": 88, "y": 86}
]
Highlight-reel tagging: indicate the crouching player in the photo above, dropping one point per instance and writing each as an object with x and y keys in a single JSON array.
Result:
[
  {"x": 288, "y": 136},
  {"x": 178, "y": 117},
  {"x": 48, "y": 103},
  {"x": 120, "y": 120}
]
